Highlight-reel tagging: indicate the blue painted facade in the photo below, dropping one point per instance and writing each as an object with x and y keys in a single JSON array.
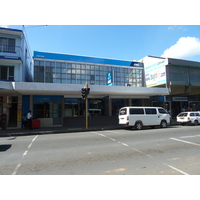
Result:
[{"x": 87, "y": 59}]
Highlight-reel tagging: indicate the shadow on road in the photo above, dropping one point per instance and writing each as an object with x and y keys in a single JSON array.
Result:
[{"x": 5, "y": 147}]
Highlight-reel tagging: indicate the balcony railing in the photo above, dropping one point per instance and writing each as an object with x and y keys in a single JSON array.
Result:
[{"x": 11, "y": 51}]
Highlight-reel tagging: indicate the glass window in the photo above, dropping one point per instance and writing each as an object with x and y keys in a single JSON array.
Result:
[
  {"x": 150, "y": 111},
  {"x": 162, "y": 111},
  {"x": 78, "y": 66},
  {"x": 47, "y": 107},
  {"x": 123, "y": 111},
  {"x": 136, "y": 111},
  {"x": 58, "y": 64},
  {"x": 39, "y": 74}
]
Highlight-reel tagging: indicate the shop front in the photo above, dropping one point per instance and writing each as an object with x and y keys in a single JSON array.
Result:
[{"x": 10, "y": 111}]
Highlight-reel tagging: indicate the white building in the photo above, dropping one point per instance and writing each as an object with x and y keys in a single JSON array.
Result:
[{"x": 16, "y": 65}]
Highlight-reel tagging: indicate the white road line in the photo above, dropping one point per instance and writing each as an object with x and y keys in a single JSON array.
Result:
[
  {"x": 29, "y": 146},
  {"x": 24, "y": 154},
  {"x": 111, "y": 131},
  {"x": 147, "y": 155},
  {"x": 187, "y": 142},
  {"x": 124, "y": 144},
  {"x": 191, "y": 136},
  {"x": 16, "y": 169},
  {"x": 178, "y": 170}
]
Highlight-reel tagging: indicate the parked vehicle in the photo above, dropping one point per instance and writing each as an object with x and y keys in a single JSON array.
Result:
[
  {"x": 144, "y": 116},
  {"x": 192, "y": 117}
]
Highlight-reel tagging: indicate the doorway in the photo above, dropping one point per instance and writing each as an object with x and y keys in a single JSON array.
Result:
[{"x": 12, "y": 112}]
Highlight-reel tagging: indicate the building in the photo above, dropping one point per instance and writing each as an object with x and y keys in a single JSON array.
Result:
[
  {"x": 51, "y": 88},
  {"x": 16, "y": 65},
  {"x": 182, "y": 79},
  {"x": 113, "y": 84}
]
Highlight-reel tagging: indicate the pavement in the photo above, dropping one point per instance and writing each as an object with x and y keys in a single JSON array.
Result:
[{"x": 54, "y": 130}]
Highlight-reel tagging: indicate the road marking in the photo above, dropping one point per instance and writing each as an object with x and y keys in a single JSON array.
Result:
[
  {"x": 124, "y": 144},
  {"x": 182, "y": 172},
  {"x": 191, "y": 136},
  {"x": 24, "y": 154},
  {"x": 16, "y": 169},
  {"x": 111, "y": 131},
  {"x": 147, "y": 155},
  {"x": 184, "y": 141}
]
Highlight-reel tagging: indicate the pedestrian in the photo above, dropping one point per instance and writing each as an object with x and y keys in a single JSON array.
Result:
[
  {"x": 29, "y": 118},
  {"x": 24, "y": 121}
]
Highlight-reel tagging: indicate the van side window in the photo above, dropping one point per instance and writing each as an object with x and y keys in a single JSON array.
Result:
[
  {"x": 162, "y": 111},
  {"x": 136, "y": 111},
  {"x": 150, "y": 111}
]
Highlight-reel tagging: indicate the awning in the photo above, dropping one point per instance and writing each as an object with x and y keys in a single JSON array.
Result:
[{"x": 74, "y": 90}]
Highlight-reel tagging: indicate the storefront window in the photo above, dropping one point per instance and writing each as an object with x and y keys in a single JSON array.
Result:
[{"x": 48, "y": 107}]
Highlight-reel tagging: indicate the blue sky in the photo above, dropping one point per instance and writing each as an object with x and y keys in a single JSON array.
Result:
[{"x": 126, "y": 42}]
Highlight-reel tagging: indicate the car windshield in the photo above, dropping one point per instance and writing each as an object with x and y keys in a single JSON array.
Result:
[{"x": 182, "y": 115}]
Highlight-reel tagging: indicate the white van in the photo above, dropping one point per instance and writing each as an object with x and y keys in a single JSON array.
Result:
[{"x": 144, "y": 116}]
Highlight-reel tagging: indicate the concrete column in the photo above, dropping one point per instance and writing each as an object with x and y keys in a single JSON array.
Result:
[{"x": 109, "y": 107}]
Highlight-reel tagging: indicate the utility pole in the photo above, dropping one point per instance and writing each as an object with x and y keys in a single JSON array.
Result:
[{"x": 85, "y": 91}]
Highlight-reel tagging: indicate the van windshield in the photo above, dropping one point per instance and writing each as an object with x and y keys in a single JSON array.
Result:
[{"x": 123, "y": 111}]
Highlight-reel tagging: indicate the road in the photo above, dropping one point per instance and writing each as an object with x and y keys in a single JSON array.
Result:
[{"x": 171, "y": 151}]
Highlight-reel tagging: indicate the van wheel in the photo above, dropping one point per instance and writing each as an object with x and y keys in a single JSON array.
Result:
[
  {"x": 138, "y": 125},
  {"x": 196, "y": 122},
  {"x": 163, "y": 124}
]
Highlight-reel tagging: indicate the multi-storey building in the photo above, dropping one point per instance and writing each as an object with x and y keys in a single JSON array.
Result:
[
  {"x": 16, "y": 65},
  {"x": 182, "y": 79},
  {"x": 51, "y": 87},
  {"x": 113, "y": 84}
]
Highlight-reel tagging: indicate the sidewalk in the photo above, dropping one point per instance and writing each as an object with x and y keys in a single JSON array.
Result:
[{"x": 54, "y": 130}]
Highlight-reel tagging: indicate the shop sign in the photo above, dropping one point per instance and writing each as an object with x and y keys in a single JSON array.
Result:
[
  {"x": 159, "y": 99},
  {"x": 71, "y": 100},
  {"x": 179, "y": 98}
]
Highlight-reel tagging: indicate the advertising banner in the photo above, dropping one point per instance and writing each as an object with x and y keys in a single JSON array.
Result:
[{"x": 155, "y": 74}]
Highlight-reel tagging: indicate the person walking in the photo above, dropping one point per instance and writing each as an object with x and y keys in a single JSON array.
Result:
[{"x": 29, "y": 118}]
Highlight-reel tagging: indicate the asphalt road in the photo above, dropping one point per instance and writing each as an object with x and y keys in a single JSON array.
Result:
[{"x": 171, "y": 151}]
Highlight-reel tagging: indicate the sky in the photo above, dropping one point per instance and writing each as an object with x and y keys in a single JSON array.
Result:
[{"x": 123, "y": 42}]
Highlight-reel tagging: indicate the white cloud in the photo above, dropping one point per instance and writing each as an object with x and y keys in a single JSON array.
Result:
[{"x": 185, "y": 47}]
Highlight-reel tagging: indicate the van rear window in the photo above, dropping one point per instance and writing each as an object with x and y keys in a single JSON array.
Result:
[
  {"x": 123, "y": 111},
  {"x": 136, "y": 111}
]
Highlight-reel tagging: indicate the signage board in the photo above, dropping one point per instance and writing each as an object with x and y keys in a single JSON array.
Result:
[
  {"x": 110, "y": 78},
  {"x": 155, "y": 74}
]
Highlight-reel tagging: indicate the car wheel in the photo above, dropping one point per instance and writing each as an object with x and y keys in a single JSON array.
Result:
[
  {"x": 163, "y": 124},
  {"x": 196, "y": 122},
  {"x": 138, "y": 125}
]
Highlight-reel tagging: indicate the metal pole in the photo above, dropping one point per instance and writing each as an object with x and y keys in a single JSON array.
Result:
[{"x": 86, "y": 108}]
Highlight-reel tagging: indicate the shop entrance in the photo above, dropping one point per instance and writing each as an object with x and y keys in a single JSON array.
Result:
[
  {"x": 12, "y": 113},
  {"x": 178, "y": 106}
]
